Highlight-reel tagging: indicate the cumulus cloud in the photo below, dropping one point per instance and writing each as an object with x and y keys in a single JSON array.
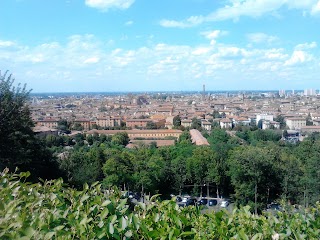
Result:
[
  {"x": 261, "y": 38},
  {"x": 105, "y": 5},
  {"x": 246, "y": 8},
  {"x": 92, "y": 60},
  {"x": 297, "y": 57},
  {"x": 84, "y": 59},
  {"x": 305, "y": 46},
  {"x": 190, "y": 22},
  {"x": 6, "y": 43}
]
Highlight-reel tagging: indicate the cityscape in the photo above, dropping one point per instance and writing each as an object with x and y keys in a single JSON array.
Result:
[
  {"x": 129, "y": 111},
  {"x": 139, "y": 119}
]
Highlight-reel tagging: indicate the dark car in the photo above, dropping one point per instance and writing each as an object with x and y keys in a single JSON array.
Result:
[
  {"x": 191, "y": 202},
  {"x": 213, "y": 202},
  {"x": 202, "y": 201},
  {"x": 274, "y": 207}
]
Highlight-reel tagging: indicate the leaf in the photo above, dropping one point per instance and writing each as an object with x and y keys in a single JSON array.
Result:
[
  {"x": 243, "y": 235},
  {"x": 105, "y": 203},
  {"x": 49, "y": 235},
  {"x": 104, "y": 213},
  {"x": 128, "y": 234},
  {"x": 123, "y": 223},
  {"x": 111, "y": 228}
]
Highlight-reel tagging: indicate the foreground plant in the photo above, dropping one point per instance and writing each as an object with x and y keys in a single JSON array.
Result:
[{"x": 51, "y": 210}]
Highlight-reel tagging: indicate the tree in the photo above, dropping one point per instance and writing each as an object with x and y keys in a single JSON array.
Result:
[
  {"x": 177, "y": 121},
  {"x": 63, "y": 126},
  {"x": 151, "y": 125},
  {"x": 18, "y": 145},
  {"x": 120, "y": 138},
  {"x": 309, "y": 121},
  {"x": 280, "y": 119},
  {"x": 254, "y": 174}
]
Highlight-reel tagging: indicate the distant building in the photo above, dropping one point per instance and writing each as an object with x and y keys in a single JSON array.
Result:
[
  {"x": 49, "y": 123},
  {"x": 268, "y": 117},
  {"x": 206, "y": 125},
  {"x": 225, "y": 123},
  {"x": 108, "y": 121},
  {"x": 310, "y": 92},
  {"x": 296, "y": 123},
  {"x": 134, "y": 123},
  {"x": 157, "y": 133},
  {"x": 186, "y": 123}
]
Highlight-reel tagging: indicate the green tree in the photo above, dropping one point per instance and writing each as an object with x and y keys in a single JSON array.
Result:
[
  {"x": 63, "y": 126},
  {"x": 309, "y": 121},
  {"x": 120, "y": 138},
  {"x": 280, "y": 119},
  {"x": 177, "y": 121},
  {"x": 151, "y": 125},
  {"x": 254, "y": 174},
  {"x": 18, "y": 145},
  {"x": 77, "y": 126}
]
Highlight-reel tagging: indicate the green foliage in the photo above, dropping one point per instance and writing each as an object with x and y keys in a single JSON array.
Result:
[
  {"x": 177, "y": 121},
  {"x": 254, "y": 171},
  {"x": 120, "y": 138},
  {"x": 63, "y": 126},
  {"x": 151, "y": 125},
  {"x": 281, "y": 120},
  {"x": 53, "y": 211},
  {"x": 18, "y": 145}
]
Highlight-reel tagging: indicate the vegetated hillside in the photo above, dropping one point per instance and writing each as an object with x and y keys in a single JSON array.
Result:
[{"x": 52, "y": 210}]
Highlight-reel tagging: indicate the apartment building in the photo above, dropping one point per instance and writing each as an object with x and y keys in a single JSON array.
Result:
[{"x": 296, "y": 123}]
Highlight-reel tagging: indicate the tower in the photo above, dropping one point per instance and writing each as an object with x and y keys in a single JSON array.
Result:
[{"x": 203, "y": 91}]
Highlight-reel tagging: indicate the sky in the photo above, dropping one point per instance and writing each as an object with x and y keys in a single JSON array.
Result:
[{"x": 165, "y": 45}]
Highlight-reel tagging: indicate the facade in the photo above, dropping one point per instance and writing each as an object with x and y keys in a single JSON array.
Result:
[
  {"x": 49, "y": 123},
  {"x": 296, "y": 123},
  {"x": 108, "y": 121},
  {"x": 134, "y": 123},
  {"x": 225, "y": 123},
  {"x": 85, "y": 123},
  {"x": 158, "y": 133},
  {"x": 186, "y": 123},
  {"x": 206, "y": 125},
  {"x": 270, "y": 124},
  {"x": 267, "y": 117}
]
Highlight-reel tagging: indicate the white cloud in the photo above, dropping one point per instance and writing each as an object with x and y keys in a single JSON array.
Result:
[
  {"x": 316, "y": 8},
  {"x": 92, "y": 60},
  {"x": 297, "y": 57},
  {"x": 105, "y": 5},
  {"x": 246, "y": 8},
  {"x": 305, "y": 46},
  {"x": 6, "y": 43},
  {"x": 155, "y": 65},
  {"x": 190, "y": 22},
  {"x": 261, "y": 38},
  {"x": 129, "y": 23}
]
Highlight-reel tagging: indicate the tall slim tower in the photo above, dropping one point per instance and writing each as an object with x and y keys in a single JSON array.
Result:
[{"x": 203, "y": 91}]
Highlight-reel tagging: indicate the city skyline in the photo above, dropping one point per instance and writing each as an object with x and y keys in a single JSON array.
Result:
[{"x": 139, "y": 45}]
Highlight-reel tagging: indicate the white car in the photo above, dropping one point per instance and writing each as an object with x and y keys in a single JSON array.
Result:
[{"x": 224, "y": 204}]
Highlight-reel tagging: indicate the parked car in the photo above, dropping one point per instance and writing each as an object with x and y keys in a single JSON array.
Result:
[
  {"x": 224, "y": 204},
  {"x": 203, "y": 201},
  {"x": 273, "y": 207},
  {"x": 213, "y": 202},
  {"x": 191, "y": 202}
]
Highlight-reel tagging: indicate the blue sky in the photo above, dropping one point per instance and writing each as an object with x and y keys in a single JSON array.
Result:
[{"x": 173, "y": 45}]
